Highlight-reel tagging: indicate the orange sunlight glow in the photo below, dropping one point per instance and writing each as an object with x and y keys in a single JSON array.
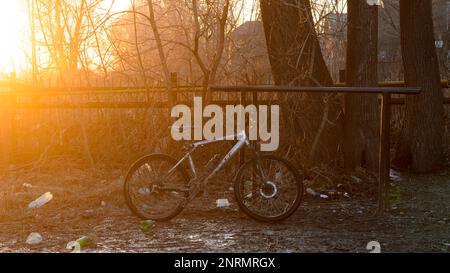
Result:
[
  {"x": 15, "y": 43},
  {"x": 13, "y": 23}
]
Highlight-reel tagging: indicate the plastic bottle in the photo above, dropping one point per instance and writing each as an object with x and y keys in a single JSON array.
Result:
[
  {"x": 223, "y": 203},
  {"x": 42, "y": 200},
  {"x": 80, "y": 244},
  {"x": 34, "y": 238}
]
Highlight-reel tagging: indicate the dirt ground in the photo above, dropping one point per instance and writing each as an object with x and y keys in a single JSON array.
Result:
[{"x": 91, "y": 203}]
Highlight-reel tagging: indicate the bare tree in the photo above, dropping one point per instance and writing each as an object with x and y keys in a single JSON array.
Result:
[
  {"x": 361, "y": 136},
  {"x": 425, "y": 113},
  {"x": 296, "y": 59}
]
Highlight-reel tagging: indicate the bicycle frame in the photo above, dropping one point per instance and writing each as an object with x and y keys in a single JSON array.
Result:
[{"x": 242, "y": 141}]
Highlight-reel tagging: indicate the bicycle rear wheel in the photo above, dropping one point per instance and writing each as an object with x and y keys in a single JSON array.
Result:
[
  {"x": 274, "y": 199},
  {"x": 151, "y": 192}
]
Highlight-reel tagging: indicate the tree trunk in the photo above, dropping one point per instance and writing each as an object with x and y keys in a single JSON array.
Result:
[
  {"x": 294, "y": 50},
  {"x": 159, "y": 45},
  {"x": 296, "y": 59},
  {"x": 361, "y": 137},
  {"x": 425, "y": 112}
]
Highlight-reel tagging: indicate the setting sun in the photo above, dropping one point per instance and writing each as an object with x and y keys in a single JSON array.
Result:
[
  {"x": 13, "y": 20},
  {"x": 15, "y": 37}
]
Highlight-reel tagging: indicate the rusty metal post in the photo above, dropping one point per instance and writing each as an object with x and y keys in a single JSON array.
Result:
[{"x": 384, "y": 159}]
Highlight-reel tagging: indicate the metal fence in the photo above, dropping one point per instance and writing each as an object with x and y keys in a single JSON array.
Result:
[{"x": 33, "y": 119}]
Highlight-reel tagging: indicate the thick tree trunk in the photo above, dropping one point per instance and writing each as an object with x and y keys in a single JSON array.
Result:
[
  {"x": 296, "y": 59},
  {"x": 294, "y": 51},
  {"x": 425, "y": 112},
  {"x": 361, "y": 137}
]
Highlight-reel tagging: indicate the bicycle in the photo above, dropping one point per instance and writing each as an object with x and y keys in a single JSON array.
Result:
[{"x": 267, "y": 188}]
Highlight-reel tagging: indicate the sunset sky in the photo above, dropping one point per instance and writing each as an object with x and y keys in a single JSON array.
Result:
[
  {"x": 13, "y": 22},
  {"x": 15, "y": 46},
  {"x": 14, "y": 32}
]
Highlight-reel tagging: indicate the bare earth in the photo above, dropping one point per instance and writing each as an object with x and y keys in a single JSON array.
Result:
[{"x": 91, "y": 203}]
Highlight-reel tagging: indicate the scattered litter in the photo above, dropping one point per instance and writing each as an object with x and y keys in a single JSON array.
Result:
[
  {"x": 269, "y": 232},
  {"x": 74, "y": 246},
  {"x": 324, "y": 196},
  {"x": 88, "y": 213},
  {"x": 327, "y": 194},
  {"x": 144, "y": 191},
  {"x": 317, "y": 194},
  {"x": 222, "y": 203},
  {"x": 34, "y": 238},
  {"x": 103, "y": 204},
  {"x": 395, "y": 176},
  {"x": 27, "y": 185},
  {"x": 42, "y": 200},
  {"x": 356, "y": 179},
  {"x": 146, "y": 225},
  {"x": 80, "y": 244},
  {"x": 312, "y": 192},
  {"x": 231, "y": 189},
  {"x": 278, "y": 176}
]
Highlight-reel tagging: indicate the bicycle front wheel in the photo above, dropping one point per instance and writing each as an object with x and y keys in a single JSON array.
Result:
[
  {"x": 273, "y": 198},
  {"x": 154, "y": 190}
]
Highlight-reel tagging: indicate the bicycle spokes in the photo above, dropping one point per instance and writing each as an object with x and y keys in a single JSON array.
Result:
[
  {"x": 152, "y": 188},
  {"x": 272, "y": 195}
]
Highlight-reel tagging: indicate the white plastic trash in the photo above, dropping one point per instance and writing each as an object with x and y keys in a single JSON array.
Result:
[
  {"x": 222, "y": 203},
  {"x": 34, "y": 238},
  {"x": 74, "y": 246},
  {"x": 324, "y": 196},
  {"x": 44, "y": 199},
  {"x": 312, "y": 192},
  {"x": 27, "y": 185},
  {"x": 279, "y": 176},
  {"x": 144, "y": 191},
  {"x": 395, "y": 176}
]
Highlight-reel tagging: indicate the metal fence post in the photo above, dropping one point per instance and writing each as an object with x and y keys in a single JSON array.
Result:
[{"x": 384, "y": 159}]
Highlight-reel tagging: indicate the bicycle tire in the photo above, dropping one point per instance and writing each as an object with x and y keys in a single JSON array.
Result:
[
  {"x": 136, "y": 166},
  {"x": 299, "y": 178}
]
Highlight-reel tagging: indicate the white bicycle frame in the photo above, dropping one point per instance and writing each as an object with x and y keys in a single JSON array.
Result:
[{"x": 242, "y": 141}]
